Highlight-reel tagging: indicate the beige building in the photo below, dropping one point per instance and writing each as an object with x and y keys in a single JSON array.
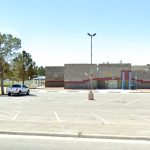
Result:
[
  {"x": 104, "y": 76},
  {"x": 54, "y": 76}
]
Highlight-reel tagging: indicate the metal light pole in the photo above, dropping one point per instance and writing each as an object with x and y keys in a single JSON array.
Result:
[{"x": 91, "y": 95}]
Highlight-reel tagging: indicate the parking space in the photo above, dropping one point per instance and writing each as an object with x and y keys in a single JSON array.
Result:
[{"x": 74, "y": 107}]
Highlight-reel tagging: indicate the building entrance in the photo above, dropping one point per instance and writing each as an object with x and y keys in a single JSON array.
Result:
[{"x": 112, "y": 84}]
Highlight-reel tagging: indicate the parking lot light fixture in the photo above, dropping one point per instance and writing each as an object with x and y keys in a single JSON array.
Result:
[{"x": 91, "y": 95}]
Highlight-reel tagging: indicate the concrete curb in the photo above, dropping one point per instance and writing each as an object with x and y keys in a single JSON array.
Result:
[{"x": 79, "y": 135}]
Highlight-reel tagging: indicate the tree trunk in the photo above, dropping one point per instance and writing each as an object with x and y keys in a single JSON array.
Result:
[
  {"x": 23, "y": 75},
  {"x": 2, "y": 79}
]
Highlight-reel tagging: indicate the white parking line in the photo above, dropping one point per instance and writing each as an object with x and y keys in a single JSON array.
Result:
[
  {"x": 6, "y": 114},
  {"x": 57, "y": 117},
  {"x": 83, "y": 92},
  {"x": 62, "y": 91},
  {"x": 105, "y": 121},
  {"x": 142, "y": 117},
  {"x": 14, "y": 118}
]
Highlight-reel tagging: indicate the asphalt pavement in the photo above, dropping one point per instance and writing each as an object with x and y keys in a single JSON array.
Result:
[{"x": 112, "y": 114}]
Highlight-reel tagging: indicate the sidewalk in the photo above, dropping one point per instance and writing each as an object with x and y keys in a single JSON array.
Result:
[
  {"x": 97, "y": 90},
  {"x": 63, "y": 129}
]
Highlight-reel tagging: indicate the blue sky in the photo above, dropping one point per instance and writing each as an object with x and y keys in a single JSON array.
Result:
[{"x": 54, "y": 32}]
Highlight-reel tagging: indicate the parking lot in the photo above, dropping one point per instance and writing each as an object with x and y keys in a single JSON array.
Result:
[{"x": 73, "y": 108}]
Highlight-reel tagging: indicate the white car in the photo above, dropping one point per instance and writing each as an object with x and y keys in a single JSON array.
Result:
[{"x": 18, "y": 89}]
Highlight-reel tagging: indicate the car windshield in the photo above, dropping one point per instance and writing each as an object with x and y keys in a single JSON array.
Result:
[{"x": 16, "y": 86}]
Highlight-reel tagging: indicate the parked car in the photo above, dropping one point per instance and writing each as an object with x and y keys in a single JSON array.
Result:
[
  {"x": 18, "y": 89},
  {"x": 132, "y": 87}
]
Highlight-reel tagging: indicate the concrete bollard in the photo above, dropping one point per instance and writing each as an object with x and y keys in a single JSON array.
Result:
[{"x": 90, "y": 96}]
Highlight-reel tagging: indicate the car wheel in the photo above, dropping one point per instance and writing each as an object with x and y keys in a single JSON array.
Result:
[
  {"x": 19, "y": 93},
  {"x": 28, "y": 92},
  {"x": 9, "y": 94}
]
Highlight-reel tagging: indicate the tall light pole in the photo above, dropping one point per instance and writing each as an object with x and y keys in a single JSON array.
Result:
[{"x": 91, "y": 95}]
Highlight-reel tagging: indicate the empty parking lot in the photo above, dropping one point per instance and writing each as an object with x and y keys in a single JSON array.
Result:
[{"x": 73, "y": 108}]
